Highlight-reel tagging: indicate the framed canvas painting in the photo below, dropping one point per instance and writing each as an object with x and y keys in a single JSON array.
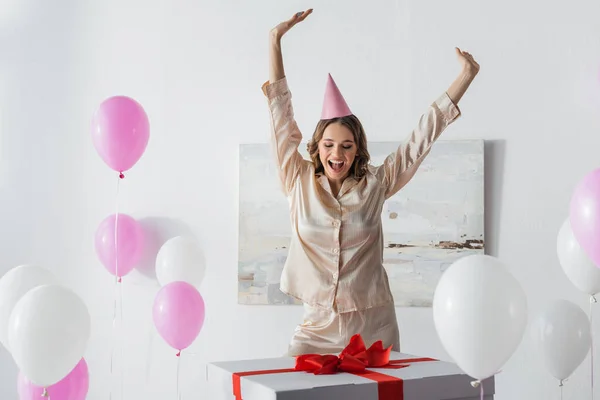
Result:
[{"x": 437, "y": 218}]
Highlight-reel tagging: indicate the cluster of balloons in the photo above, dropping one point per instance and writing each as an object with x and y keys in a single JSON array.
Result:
[
  {"x": 45, "y": 327},
  {"x": 120, "y": 133},
  {"x": 562, "y": 332},
  {"x": 480, "y": 309},
  {"x": 179, "y": 309}
]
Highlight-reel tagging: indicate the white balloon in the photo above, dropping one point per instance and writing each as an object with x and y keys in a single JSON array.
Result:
[
  {"x": 180, "y": 259},
  {"x": 48, "y": 332},
  {"x": 13, "y": 285},
  {"x": 578, "y": 267},
  {"x": 480, "y": 314},
  {"x": 562, "y": 336}
]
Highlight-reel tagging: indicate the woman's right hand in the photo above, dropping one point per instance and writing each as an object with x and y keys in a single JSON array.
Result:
[{"x": 281, "y": 29}]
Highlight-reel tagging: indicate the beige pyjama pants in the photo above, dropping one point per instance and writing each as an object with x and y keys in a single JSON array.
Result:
[{"x": 328, "y": 332}]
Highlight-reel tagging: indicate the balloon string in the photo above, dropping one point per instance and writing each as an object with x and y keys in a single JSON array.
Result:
[
  {"x": 592, "y": 302},
  {"x": 120, "y": 287},
  {"x": 121, "y": 340},
  {"x": 117, "y": 278},
  {"x": 116, "y": 298},
  {"x": 149, "y": 352},
  {"x": 481, "y": 391},
  {"x": 112, "y": 350},
  {"x": 178, "y": 365},
  {"x": 561, "y": 391}
]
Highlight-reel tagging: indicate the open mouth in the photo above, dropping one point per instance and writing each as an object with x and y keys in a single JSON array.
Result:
[{"x": 336, "y": 166}]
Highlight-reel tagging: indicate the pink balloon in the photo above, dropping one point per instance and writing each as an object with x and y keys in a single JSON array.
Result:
[
  {"x": 120, "y": 132},
  {"x": 584, "y": 215},
  {"x": 178, "y": 314},
  {"x": 130, "y": 243},
  {"x": 72, "y": 387}
]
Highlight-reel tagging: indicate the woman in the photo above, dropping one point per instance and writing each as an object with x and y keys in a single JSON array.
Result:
[{"x": 335, "y": 260}]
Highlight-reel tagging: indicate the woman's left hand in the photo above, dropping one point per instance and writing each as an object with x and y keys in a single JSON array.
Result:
[{"x": 467, "y": 62}]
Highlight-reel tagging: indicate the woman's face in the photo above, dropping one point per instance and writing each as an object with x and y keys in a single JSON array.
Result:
[{"x": 337, "y": 151}]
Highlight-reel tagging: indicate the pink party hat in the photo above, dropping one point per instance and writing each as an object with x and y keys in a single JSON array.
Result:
[{"x": 334, "y": 105}]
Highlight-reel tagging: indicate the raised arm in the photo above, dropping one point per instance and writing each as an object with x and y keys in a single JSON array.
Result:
[
  {"x": 276, "y": 70},
  {"x": 285, "y": 135},
  {"x": 400, "y": 166},
  {"x": 469, "y": 70}
]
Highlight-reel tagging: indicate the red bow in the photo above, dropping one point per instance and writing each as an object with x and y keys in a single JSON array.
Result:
[{"x": 354, "y": 358}]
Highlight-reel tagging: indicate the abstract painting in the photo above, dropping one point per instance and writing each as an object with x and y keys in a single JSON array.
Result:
[{"x": 437, "y": 218}]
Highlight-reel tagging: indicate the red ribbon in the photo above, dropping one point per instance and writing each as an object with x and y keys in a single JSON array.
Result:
[{"x": 354, "y": 359}]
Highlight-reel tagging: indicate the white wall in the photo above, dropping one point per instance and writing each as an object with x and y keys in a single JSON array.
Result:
[{"x": 197, "y": 67}]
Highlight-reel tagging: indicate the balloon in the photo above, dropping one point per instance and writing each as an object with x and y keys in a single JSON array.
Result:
[
  {"x": 584, "y": 215},
  {"x": 480, "y": 314},
  {"x": 562, "y": 336},
  {"x": 48, "y": 333},
  {"x": 180, "y": 259},
  {"x": 120, "y": 132},
  {"x": 130, "y": 242},
  {"x": 73, "y": 387},
  {"x": 13, "y": 285},
  {"x": 178, "y": 314},
  {"x": 578, "y": 267}
]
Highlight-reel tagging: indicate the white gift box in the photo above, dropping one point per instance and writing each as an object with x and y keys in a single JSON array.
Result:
[{"x": 274, "y": 379}]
